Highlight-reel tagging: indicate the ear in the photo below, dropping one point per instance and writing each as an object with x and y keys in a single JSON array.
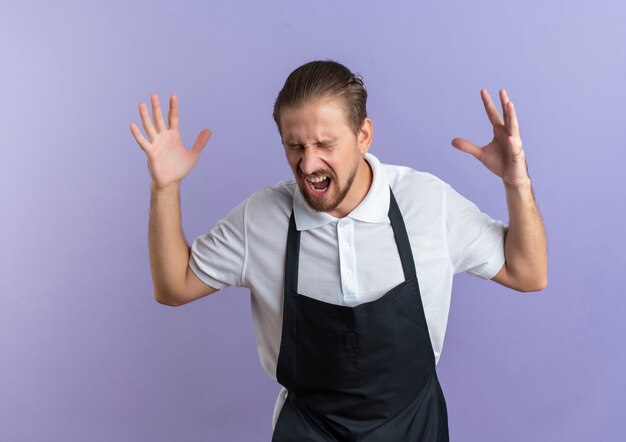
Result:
[{"x": 365, "y": 135}]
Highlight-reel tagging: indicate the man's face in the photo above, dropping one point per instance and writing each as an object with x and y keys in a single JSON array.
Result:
[{"x": 326, "y": 156}]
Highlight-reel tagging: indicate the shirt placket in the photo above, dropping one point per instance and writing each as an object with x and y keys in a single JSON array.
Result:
[{"x": 347, "y": 260}]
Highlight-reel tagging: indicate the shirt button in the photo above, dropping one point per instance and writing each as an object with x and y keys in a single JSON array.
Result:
[
  {"x": 348, "y": 272},
  {"x": 345, "y": 245},
  {"x": 340, "y": 224}
]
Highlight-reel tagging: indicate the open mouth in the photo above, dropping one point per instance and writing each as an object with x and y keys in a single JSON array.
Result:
[{"x": 318, "y": 184}]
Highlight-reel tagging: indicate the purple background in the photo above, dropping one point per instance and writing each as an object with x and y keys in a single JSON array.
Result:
[{"x": 85, "y": 352}]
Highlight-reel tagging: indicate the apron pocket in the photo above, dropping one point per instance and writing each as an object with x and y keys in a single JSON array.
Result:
[{"x": 326, "y": 359}]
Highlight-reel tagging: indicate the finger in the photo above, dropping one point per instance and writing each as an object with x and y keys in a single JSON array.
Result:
[
  {"x": 146, "y": 122},
  {"x": 492, "y": 112},
  {"x": 504, "y": 99},
  {"x": 467, "y": 147},
  {"x": 172, "y": 116},
  {"x": 201, "y": 140},
  {"x": 159, "y": 123},
  {"x": 143, "y": 143},
  {"x": 512, "y": 124},
  {"x": 514, "y": 145}
]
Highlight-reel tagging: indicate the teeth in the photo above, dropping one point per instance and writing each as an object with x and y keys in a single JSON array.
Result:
[{"x": 316, "y": 180}]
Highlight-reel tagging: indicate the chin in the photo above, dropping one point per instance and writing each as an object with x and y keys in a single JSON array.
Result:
[{"x": 325, "y": 203}]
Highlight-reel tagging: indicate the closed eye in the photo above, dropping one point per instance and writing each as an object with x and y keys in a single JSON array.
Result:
[
  {"x": 320, "y": 144},
  {"x": 326, "y": 144}
]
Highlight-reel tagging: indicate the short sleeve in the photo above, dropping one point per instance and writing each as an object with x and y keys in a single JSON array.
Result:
[
  {"x": 218, "y": 257},
  {"x": 474, "y": 240}
]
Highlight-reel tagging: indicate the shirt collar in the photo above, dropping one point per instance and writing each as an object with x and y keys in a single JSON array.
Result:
[{"x": 373, "y": 209}]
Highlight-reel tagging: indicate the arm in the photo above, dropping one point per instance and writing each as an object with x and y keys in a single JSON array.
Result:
[
  {"x": 174, "y": 282},
  {"x": 525, "y": 266},
  {"x": 526, "y": 260},
  {"x": 169, "y": 162}
]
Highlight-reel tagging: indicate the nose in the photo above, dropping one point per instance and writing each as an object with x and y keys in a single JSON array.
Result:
[{"x": 310, "y": 161}]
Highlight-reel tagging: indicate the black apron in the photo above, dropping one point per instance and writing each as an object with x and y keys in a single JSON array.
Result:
[{"x": 363, "y": 373}]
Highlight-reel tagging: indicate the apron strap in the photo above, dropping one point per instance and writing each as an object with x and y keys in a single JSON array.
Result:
[
  {"x": 402, "y": 238},
  {"x": 292, "y": 256}
]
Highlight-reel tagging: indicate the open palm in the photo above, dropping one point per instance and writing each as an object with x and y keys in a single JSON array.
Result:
[
  {"x": 168, "y": 159},
  {"x": 504, "y": 155}
]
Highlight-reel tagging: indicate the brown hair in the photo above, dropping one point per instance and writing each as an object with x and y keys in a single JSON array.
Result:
[{"x": 319, "y": 79}]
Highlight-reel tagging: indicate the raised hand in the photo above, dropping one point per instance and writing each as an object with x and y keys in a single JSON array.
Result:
[
  {"x": 504, "y": 155},
  {"x": 168, "y": 159}
]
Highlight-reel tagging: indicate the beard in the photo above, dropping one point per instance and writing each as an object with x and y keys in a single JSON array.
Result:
[{"x": 325, "y": 204}]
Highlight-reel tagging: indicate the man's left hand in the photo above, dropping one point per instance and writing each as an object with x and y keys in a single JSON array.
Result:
[{"x": 504, "y": 155}]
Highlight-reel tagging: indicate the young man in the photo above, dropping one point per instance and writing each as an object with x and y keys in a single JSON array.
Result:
[{"x": 350, "y": 264}]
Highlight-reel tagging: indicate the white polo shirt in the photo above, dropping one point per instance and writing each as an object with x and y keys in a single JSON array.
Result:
[{"x": 350, "y": 260}]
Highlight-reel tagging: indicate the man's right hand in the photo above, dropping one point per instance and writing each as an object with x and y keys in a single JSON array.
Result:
[{"x": 168, "y": 159}]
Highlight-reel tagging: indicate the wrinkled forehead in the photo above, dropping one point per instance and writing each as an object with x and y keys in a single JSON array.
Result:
[{"x": 314, "y": 121}]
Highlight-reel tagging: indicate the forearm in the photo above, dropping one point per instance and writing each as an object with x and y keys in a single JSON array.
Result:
[
  {"x": 525, "y": 244},
  {"x": 169, "y": 251}
]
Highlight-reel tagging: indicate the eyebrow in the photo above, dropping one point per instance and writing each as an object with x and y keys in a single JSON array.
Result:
[{"x": 318, "y": 143}]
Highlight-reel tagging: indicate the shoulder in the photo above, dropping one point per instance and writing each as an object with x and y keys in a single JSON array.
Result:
[
  {"x": 407, "y": 182},
  {"x": 271, "y": 205},
  {"x": 279, "y": 196},
  {"x": 420, "y": 195},
  {"x": 409, "y": 176}
]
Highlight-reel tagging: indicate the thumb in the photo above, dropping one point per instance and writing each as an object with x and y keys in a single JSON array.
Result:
[
  {"x": 467, "y": 147},
  {"x": 201, "y": 140}
]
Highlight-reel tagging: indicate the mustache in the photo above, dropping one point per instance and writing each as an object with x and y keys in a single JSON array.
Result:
[{"x": 321, "y": 172}]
